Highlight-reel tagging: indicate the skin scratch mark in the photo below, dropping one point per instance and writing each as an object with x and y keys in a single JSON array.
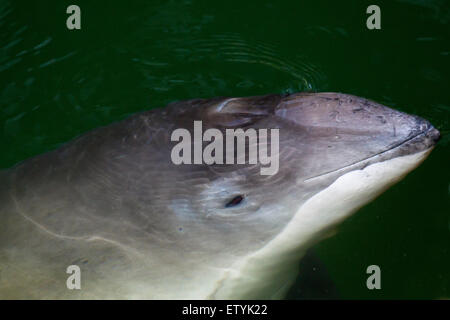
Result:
[{"x": 65, "y": 237}]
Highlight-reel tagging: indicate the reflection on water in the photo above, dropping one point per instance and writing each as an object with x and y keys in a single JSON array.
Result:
[{"x": 236, "y": 52}]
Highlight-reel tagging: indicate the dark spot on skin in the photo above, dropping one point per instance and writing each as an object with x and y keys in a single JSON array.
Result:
[
  {"x": 333, "y": 114},
  {"x": 180, "y": 229},
  {"x": 382, "y": 119},
  {"x": 234, "y": 202},
  {"x": 80, "y": 260}
]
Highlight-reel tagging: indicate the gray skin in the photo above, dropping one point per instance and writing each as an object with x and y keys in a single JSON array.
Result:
[{"x": 139, "y": 226}]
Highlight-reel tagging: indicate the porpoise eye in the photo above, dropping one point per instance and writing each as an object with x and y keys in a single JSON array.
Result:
[{"x": 234, "y": 202}]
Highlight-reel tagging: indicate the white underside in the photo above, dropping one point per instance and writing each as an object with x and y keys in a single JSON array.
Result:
[{"x": 269, "y": 272}]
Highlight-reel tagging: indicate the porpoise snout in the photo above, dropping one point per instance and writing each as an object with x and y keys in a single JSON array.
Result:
[
  {"x": 421, "y": 134},
  {"x": 433, "y": 134},
  {"x": 363, "y": 124},
  {"x": 425, "y": 127}
]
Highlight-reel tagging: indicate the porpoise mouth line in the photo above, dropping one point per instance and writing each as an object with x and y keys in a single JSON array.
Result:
[{"x": 423, "y": 133}]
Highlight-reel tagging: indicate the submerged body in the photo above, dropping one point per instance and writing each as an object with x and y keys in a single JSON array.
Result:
[{"x": 139, "y": 226}]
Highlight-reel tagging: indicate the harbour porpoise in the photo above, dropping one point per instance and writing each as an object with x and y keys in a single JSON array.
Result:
[{"x": 139, "y": 226}]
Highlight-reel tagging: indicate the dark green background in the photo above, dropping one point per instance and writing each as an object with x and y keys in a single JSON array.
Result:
[{"x": 134, "y": 55}]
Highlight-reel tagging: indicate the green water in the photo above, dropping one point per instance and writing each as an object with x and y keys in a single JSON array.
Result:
[{"x": 134, "y": 55}]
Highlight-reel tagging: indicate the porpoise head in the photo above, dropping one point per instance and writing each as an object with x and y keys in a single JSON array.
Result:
[
  {"x": 336, "y": 153},
  {"x": 219, "y": 230}
]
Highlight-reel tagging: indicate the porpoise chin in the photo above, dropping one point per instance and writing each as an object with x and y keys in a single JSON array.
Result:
[{"x": 138, "y": 226}]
